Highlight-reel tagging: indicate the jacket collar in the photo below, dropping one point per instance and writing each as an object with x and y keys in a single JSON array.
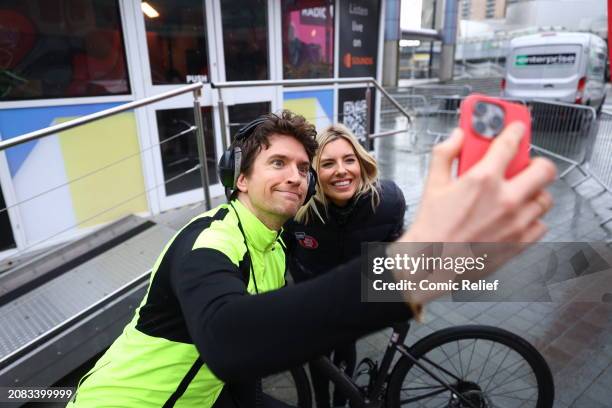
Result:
[
  {"x": 342, "y": 215},
  {"x": 257, "y": 235}
]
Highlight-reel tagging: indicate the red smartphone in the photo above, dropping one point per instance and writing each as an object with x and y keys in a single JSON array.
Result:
[{"x": 482, "y": 118}]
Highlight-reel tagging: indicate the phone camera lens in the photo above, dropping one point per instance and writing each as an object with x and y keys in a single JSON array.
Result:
[
  {"x": 480, "y": 109},
  {"x": 496, "y": 122},
  {"x": 480, "y": 127}
]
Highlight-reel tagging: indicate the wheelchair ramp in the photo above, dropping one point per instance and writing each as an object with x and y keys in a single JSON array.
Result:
[{"x": 52, "y": 328}]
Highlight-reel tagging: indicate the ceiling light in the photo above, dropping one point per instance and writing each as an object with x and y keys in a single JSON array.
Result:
[{"x": 148, "y": 10}]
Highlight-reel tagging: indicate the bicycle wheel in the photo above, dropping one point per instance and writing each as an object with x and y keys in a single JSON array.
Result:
[
  {"x": 291, "y": 387},
  {"x": 488, "y": 366}
]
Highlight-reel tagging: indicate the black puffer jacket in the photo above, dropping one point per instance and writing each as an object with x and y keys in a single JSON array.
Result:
[{"x": 316, "y": 248}]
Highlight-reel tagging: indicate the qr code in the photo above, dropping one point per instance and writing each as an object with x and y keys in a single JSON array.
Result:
[{"x": 355, "y": 118}]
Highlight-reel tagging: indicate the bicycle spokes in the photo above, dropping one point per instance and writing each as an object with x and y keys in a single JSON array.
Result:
[{"x": 482, "y": 372}]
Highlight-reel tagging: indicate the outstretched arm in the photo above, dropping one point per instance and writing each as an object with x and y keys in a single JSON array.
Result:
[{"x": 243, "y": 337}]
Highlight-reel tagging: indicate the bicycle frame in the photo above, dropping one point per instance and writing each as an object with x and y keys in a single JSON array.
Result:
[{"x": 373, "y": 399}]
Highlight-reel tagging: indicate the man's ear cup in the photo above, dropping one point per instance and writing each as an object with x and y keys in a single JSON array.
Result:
[
  {"x": 312, "y": 185},
  {"x": 226, "y": 169}
]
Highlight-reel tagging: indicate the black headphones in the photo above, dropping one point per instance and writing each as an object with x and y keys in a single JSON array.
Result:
[{"x": 231, "y": 159}]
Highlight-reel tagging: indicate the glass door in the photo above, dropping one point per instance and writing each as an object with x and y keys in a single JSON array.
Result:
[
  {"x": 178, "y": 35},
  {"x": 244, "y": 37},
  {"x": 242, "y": 113}
]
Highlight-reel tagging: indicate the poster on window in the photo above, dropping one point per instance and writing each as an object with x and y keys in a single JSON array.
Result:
[
  {"x": 353, "y": 112},
  {"x": 358, "y": 37}
]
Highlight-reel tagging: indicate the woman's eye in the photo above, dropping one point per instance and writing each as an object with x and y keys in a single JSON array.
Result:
[
  {"x": 327, "y": 165},
  {"x": 351, "y": 160}
]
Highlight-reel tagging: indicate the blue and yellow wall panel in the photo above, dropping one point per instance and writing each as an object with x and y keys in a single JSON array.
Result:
[
  {"x": 316, "y": 106},
  {"x": 84, "y": 176}
]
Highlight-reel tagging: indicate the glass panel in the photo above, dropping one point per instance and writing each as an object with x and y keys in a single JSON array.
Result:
[
  {"x": 58, "y": 49},
  {"x": 179, "y": 149},
  {"x": 420, "y": 59},
  {"x": 308, "y": 39},
  {"x": 176, "y": 40},
  {"x": 245, "y": 39},
  {"x": 240, "y": 115},
  {"x": 7, "y": 241}
]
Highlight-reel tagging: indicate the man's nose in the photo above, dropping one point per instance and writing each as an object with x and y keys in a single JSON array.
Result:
[{"x": 295, "y": 176}]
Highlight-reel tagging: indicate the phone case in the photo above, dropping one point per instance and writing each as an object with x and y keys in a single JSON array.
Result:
[{"x": 476, "y": 144}]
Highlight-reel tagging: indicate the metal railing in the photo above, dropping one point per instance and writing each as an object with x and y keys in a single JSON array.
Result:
[
  {"x": 195, "y": 89},
  {"x": 368, "y": 81},
  {"x": 196, "y": 127}
]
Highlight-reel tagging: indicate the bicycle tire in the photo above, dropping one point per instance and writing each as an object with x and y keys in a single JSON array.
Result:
[
  {"x": 291, "y": 387},
  {"x": 440, "y": 342}
]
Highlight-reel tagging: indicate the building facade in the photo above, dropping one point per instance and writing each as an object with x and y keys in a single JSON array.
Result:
[
  {"x": 478, "y": 10},
  {"x": 63, "y": 59}
]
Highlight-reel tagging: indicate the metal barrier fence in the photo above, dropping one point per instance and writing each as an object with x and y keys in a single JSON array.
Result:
[
  {"x": 391, "y": 119},
  {"x": 429, "y": 91},
  {"x": 434, "y": 111},
  {"x": 600, "y": 160},
  {"x": 563, "y": 129},
  {"x": 568, "y": 133}
]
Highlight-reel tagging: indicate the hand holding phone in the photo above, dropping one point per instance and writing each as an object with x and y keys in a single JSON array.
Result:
[{"x": 482, "y": 118}]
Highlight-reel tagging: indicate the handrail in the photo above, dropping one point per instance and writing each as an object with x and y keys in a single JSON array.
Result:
[
  {"x": 305, "y": 82},
  {"x": 197, "y": 112},
  {"x": 37, "y": 134},
  {"x": 291, "y": 82}
]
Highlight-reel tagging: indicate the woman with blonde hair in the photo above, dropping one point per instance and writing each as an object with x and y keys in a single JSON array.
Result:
[{"x": 351, "y": 206}]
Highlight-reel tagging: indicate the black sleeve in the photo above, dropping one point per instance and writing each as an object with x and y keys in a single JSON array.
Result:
[{"x": 241, "y": 337}]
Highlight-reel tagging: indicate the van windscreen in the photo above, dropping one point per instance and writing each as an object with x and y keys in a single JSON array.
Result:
[{"x": 545, "y": 61}]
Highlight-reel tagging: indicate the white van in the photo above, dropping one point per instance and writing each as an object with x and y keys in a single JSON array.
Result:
[{"x": 560, "y": 66}]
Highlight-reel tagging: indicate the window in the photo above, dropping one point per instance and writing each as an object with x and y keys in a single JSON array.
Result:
[
  {"x": 308, "y": 39},
  {"x": 597, "y": 65},
  {"x": 176, "y": 41},
  {"x": 59, "y": 49},
  {"x": 465, "y": 9},
  {"x": 241, "y": 114},
  {"x": 179, "y": 149},
  {"x": 245, "y": 39}
]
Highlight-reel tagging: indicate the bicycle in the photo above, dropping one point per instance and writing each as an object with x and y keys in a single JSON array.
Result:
[{"x": 454, "y": 381}]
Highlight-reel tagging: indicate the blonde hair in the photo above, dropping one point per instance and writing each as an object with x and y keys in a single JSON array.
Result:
[{"x": 367, "y": 165}]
